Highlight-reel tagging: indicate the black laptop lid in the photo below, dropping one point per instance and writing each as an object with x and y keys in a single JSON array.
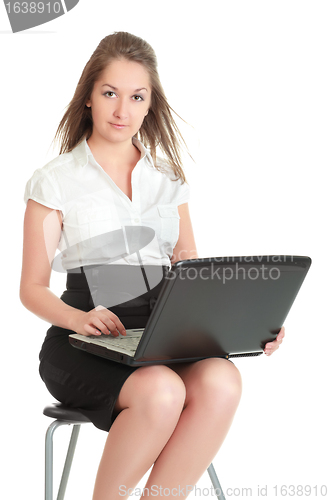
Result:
[{"x": 236, "y": 304}]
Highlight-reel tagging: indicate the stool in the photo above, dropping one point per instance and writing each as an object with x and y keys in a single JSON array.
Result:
[{"x": 70, "y": 416}]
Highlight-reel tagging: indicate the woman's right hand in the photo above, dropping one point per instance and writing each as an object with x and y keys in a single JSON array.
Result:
[{"x": 97, "y": 321}]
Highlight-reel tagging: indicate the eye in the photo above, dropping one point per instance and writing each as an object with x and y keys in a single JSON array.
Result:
[
  {"x": 138, "y": 98},
  {"x": 109, "y": 92}
]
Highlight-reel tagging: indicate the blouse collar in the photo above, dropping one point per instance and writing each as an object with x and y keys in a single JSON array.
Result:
[{"x": 82, "y": 151}]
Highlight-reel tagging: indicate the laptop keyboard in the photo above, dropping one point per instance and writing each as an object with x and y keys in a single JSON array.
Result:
[{"x": 128, "y": 342}]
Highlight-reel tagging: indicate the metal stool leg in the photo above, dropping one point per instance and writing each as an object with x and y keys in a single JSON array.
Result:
[
  {"x": 68, "y": 461},
  {"x": 214, "y": 479},
  {"x": 49, "y": 459},
  {"x": 69, "y": 458}
]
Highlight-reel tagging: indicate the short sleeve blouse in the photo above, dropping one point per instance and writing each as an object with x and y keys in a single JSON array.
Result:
[{"x": 101, "y": 224}]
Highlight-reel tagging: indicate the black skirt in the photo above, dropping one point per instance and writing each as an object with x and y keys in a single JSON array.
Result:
[{"x": 82, "y": 380}]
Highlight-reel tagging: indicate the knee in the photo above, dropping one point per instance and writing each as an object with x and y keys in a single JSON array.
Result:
[
  {"x": 161, "y": 394},
  {"x": 218, "y": 383}
]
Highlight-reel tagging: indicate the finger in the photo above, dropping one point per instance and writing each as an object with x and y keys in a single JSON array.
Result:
[
  {"x": 107, "y": 320},
  {"x": 282, "y": 333},
  {"x": 270, "y": 345},
  {"x": 110, "y": 324},
  {"x": 117, "y": 323},
  {"x": 274, "y": 345},
  {"x": 271, "y": 348},
  {"x": 104, "y": 325},
  {"x": 114, "y": 319},
  {"x": 119, "y": 326},
  {"x": 278, "y": 339},
  {"x": 91, "y": 330}
]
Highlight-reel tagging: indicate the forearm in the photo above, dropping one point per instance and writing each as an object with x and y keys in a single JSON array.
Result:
[{"x": 44, "y": 303}]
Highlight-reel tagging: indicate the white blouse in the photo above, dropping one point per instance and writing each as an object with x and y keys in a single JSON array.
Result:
[{"x": 101, "y": 224}]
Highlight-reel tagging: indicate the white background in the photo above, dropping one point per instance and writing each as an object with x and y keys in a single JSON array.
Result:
[{"x": 251, "y": 79}]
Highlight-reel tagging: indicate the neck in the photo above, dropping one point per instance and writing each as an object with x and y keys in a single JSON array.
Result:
[{"x": 116, "y": 155}]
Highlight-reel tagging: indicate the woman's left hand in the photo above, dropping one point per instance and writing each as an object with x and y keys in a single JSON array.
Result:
[{"x": 270, "y": 347}]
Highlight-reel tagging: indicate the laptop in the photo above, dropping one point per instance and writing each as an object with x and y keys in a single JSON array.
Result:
[{"x": 212, "y": 307}]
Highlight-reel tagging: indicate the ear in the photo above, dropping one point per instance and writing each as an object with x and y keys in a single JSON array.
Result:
[{"x": 88, "y": 104}]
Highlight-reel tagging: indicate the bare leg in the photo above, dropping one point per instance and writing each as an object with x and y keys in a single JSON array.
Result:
[
  {"x": 151, "y": 401},
  {"x": 213, "y": 391},
  {"x": 181, "y": 444}
]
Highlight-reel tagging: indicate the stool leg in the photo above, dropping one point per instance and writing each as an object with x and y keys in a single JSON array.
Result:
[
  {"x": 214, "y": 479},
  {"x": 49, "y": 458},
  {"x": 68, "y": 461}
]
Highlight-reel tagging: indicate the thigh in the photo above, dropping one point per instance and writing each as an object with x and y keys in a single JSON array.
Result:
[
  {"x": 213, "y": 373},
  {"x": 148, "y": 380},
  {"x": 147, "y": 384},
  {"x": 186, "y": 370}
]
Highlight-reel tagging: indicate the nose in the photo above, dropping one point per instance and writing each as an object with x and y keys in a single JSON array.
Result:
[{"x": 121, "y": 110}]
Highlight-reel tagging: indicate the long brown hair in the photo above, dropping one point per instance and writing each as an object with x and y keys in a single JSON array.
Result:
[{"x": 158, "y": 128}]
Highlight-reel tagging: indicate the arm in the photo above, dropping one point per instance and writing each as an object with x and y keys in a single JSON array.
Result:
[
  {"x": 42, "y": 229},
  {"x": 185, "y": 247}
]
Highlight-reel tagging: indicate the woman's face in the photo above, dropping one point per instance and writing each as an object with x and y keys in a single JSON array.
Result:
[{"x": 120, "y": 101}]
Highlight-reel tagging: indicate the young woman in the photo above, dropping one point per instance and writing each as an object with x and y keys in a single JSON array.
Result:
[{"x": 173, "y": 417}]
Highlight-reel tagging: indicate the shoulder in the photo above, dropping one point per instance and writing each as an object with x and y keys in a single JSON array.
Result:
[
  {"x": 161, "y": 168},
  {"x": 164, "y": 168},
  {"x": 57, "y": 166},
  {"x": 176, "y": 189},
  {"x": 64, "y": 167},
  {"x": 46, "y": 184}
]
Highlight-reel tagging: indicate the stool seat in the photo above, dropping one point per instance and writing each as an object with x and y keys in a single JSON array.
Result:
[{"x": 65, "y": 413}]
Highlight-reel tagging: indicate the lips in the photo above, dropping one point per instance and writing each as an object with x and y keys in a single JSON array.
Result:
[{"x": 118, "y": 125}]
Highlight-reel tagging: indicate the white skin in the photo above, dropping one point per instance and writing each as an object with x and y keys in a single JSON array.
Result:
[{"x": 182, "y": 412}]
